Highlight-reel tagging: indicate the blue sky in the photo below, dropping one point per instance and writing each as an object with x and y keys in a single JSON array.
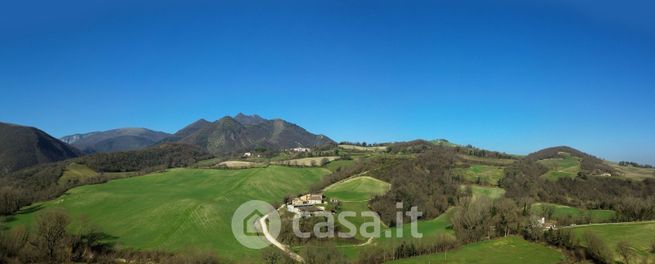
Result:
[{"x": 504, "y": 75}]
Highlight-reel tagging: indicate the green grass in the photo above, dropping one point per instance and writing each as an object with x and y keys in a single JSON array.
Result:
[
  {"x": 486, "y": 191},
  {"x": 334, "y": 165},
  {"x": 503, "y": 250},
  {"x": 180, "y": 208},
  {"x": 357, "y": 189},
  {"x": 75, "y": 171},
  {"x": 634, "y": 173},
  {"x": 354, "y": 195},
  {"x": 597, "y": 216},
  {"x": 486, "y": 173},
  {"x": 567, "y": 166},
  {"x": 638, "y": 234},
  {"x": 489, "y": 161},
  {"x": 428, "y": 228}
]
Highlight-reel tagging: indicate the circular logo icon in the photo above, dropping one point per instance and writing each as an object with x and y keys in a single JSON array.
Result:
[{"x": 256, "y": 224}]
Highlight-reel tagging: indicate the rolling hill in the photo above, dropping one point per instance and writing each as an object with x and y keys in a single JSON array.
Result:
[
  {"x": 22, "y": 147},
  {"x": 230, "y": 135},
  {"x": 122, "y": 139}
]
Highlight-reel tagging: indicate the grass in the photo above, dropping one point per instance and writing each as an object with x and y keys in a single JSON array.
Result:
[
  {"x": 354, "y": 194},
  {"x": 638, "y": 234},
  {"x": 489, "y": 161},
  {"x": 597, "y": 216},
  {"x": 634, "y": 173},
  {"x": 510, "y": 249},
  {"x": 238, "y": 164},
  {"x": 566, "y": 166},
  {"x": 356, "y": 189},
  {"x": 486, "y": 191},
  {"x": 307, "y": 162},
  {"x": 428, "y": 228},
  {"x": 487, "y": 174},
  {"x": 180, "y": 208},
  {"x": 75, "y": 171},
  {"x": 334, "y": 165},
  {"x": 360, "y": 148}
]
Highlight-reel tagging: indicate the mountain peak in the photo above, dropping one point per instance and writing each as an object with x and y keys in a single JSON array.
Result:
[{"x": 249, "y": 120}]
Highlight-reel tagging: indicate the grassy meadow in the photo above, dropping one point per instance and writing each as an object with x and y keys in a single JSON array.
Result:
[
  {"x": 354, "y": 194},
  {"x": 510, "y": 249},
  {"x": 566, "y": 166},
  {"x": 560, "y": 211},
  {"x": 177, "y": 209},
  {"x": 640, "y": 235},
  {"x": 487, "y": 174}
]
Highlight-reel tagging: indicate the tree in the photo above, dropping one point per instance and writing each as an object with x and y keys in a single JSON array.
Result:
[
  {"x": 624, "y": 249},
  {"x": 472, "y": 221},
  {"x": 597, "y": 249},
  {"x": 51, "y": 236}
]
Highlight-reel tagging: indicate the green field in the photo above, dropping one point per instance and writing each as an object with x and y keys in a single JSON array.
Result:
[
  {"x": 354, "y": 194},
  {"x": 639, "y": 234},
  {"x": 485, "y": 191},
  {"x": 503, "y": 250},
  {"x": 180, "y": 208},
  {"x": 334, "y": 165},
  {"x": 428, "y": 228},
  {"x": 489, "y": 161},
  {"x": 487, "y": 174},
  {"x": 634, "y": 173},
  {"x": 566, "y": 166},
  {"x": 597, "y": 216},
  {"x": 75, "y": 171}
]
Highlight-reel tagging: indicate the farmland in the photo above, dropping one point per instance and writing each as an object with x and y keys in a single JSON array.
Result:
[
  {"x": 179, "y": 208},
  {"x": 560, "y": 211},
  {"x": 566, "y": 166},
  {"x": 487, "y": 174},
  {"x": 640, "y": 235},
  {"x": 502, "y": 250}
]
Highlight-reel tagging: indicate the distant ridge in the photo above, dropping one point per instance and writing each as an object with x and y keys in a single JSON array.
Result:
[
  {"x": 22, "y": 146},
  {"x": 122, "y": 139},
  {"x": 245, "y": 133}
]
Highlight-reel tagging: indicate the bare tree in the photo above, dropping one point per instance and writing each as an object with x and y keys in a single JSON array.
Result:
[{"x": 51, "y": 236}]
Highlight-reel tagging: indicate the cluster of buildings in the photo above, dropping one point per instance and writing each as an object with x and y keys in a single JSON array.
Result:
[
  {"x": 307, "y": 205},
  {"x": 300, "y": 149}
]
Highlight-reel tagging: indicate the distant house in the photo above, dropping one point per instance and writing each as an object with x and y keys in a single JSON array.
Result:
[
  {"x": 606, "y": 174},
  {"x": 300, "y": 149},
  {"x": 247, "y": 155}
]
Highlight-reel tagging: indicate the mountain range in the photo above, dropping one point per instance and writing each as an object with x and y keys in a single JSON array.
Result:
[
  {"x": 22, "y": 146},
  {"x": 122, "y": 139}
]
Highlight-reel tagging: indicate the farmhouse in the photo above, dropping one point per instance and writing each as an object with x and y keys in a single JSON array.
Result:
[
  {"x": 300, "y": 149},
  {"x": 307, "y": 199},
  {"x": 247, "y": 155}
]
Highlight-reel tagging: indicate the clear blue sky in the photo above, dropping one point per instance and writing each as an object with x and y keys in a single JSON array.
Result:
[{"x": 504, "y": 75}]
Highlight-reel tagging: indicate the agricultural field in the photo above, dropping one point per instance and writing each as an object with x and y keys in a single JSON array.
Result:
[
  {"x": 488, "y": 161},
  {"x": 487, "y": 174},
  {"x": 640, "y": 235},
  {"x": 342, "y": 163},
  {"x": 560, "y": 211},
  {"x": 75, "y": 171},
  {"x": 634, "y": 173},
  {"x": 238, "y": 164},
  {"x": 360, "y": 148},
  {"x": 428, "y": 228},
  {"x": 307, "y": 162},
  {"x": 510, "y": 249},
  {"x": 566, "y": 166},
  {"x": 354, "y": 194},
  {"x": 485, "y": 191},
  {"x": 177, "y": 209}
]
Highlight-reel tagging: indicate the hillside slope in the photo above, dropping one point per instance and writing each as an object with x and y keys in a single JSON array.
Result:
[
  {"x": 122, "y": 139},
  {"x": 22, "y": 147},
  {"x": 245, "y": 133}
]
